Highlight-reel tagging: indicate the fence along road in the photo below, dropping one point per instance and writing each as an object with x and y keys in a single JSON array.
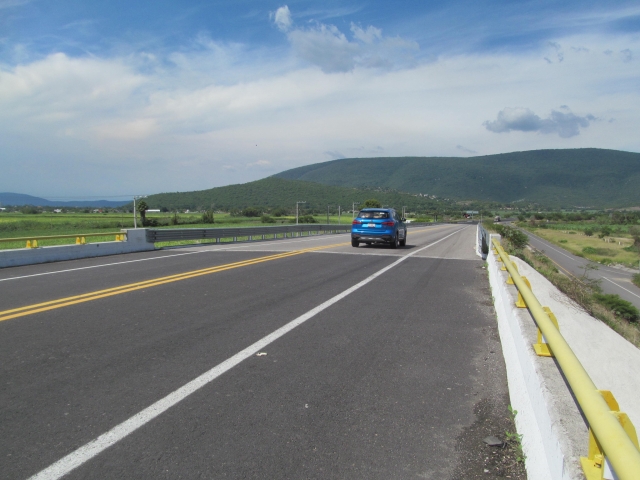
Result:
[{"x": 336, "y": 362}]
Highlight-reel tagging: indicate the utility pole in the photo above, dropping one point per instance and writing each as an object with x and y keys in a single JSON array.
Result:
[
  {"x": 327, "y": 214},
  {"x": 297, "y": 211},
  {"x": 404, "y": 213},
  {"x": 353, "y": 210},
  {"x": 338, "y": 214}
]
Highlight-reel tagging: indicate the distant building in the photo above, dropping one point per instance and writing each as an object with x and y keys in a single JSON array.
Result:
[
  {"x": 57, "y": 210},
  {"x": 153, "y": 210}
]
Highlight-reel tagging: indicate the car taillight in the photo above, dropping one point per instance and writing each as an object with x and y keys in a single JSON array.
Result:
[
  {"x": 387, "y": 224},
  {"x": 356, "y": 222}
]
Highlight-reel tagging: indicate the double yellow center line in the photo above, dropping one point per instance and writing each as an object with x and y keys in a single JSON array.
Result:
[{"x": 87, "y": 297}]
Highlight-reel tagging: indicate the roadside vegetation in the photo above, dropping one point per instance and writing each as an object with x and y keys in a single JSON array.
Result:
[
  {"x": 603, "y": 237},
  {"x": 620, "y": 315},
  {"x": 33, "y": 221}
]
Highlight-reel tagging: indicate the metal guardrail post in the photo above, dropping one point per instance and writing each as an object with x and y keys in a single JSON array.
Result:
[{"x": 616, "y": 444}]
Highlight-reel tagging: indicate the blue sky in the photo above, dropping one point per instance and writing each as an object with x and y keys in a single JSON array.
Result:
[{"x": 118, "y": 98}]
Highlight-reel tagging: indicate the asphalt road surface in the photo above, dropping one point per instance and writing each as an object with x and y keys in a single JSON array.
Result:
[
  {"x": 297, "y": 358},
  {"x": 612, "y": 280}
]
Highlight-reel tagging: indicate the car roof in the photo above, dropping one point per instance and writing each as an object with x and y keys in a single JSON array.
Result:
[{"x": 373, "y": 209}]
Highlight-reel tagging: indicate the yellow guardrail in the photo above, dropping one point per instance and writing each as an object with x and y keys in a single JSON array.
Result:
[
  {"x": 611, "y": 434},
  {"x": 32, "y": 242}
]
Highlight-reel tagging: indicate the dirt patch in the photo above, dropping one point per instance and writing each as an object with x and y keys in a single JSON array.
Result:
[{"x": 479, "y": 460}]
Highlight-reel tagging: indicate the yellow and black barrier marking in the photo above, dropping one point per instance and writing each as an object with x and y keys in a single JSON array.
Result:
[
  {"x": 542, "y": 347},
  {"x": 87, "y": 297},
  {"x": 594, "y": 465},
  {"x": 32, "y": 242}
]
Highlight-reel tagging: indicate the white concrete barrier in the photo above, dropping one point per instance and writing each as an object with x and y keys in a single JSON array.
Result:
[
  {"x": 136, "y": 242},
  {"x": 555, "y": 434}
]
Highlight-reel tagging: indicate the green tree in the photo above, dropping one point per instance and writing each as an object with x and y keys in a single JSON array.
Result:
[
  {"x": 605, "y": 231},
  {"x": 588, "y": 232},
  {"x": 30, "y": 210},
  {"x": 207, "y": 217},
  {"x": 142, "y": 208},
  {"x": 372, "y": 203},
  {"x": 635, "y": 234},
  {"x": 250, "y": 212}
]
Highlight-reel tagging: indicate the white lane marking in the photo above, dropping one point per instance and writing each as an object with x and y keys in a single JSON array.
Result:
[
  {"x": 547, "y": 244},
  {"x": 389, "y": 255},
  {"x": 117, "y": 433},
  {"x": 95, "y": 266},
  {"x": 160, "y": 257},
  {"x": 634, "y": 294}
]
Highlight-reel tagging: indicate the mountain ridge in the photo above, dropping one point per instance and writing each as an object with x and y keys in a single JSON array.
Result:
[
  {"x": 586, "y": 177},
  {"x": 21, "y": 199}
]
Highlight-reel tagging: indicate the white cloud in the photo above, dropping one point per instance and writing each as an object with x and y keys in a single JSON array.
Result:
[
  {"x": 71, "y": 126},
  {"x": 330, "y": 49},
  {"x": 524, "y": 120},
  {"x": 282, "y": 18}
]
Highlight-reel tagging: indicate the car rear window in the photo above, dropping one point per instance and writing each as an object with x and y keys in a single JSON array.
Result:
[{"x": 373, "y": 215}]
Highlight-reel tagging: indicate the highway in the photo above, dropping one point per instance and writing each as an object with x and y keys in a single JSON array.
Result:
[
  {"x": 612, "y": 280},
  {"x": 296, "y": 358}
]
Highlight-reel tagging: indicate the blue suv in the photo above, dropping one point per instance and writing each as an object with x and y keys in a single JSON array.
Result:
[{"x": 378, "y": 225}]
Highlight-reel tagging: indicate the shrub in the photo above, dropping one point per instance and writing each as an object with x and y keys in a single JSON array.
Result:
[
  {"x": 607, "y": 252},
  {"x": 604, "y": 232},
  {"x": 620, "y": 307},
  {"x": 636, "y": 279},
  {"x": 175, "y": 219},
  {"x": 267, "y": 219},
  {"x": 30, "y": 210},
  {"x": 588, "y": 232},
  {"x": 251, "y": 212},
  {"x": 514, "y": 237},
  {"x": 279, "y": 212},
  {"x": 207, "y": 217}
]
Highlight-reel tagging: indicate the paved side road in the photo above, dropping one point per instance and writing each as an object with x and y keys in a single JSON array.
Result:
[
  {"x": 613, "y": 280},
  {"x": 390, "y": 370}
]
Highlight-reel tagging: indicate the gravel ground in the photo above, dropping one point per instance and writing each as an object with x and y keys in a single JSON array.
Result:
[{"x": 493, "y": 417}]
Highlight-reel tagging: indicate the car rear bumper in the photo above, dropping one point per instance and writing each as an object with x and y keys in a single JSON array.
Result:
[{"x": 372, "y": 238}]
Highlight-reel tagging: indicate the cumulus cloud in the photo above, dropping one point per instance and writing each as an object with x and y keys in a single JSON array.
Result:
[
  {"x": 327, "y": 47},
  {"x": 191, "y": 119},
  {"x": 282, "y": 18},
  {"x": 565, "y": 124}
]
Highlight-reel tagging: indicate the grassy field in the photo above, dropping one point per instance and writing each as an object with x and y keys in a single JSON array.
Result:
[
  {"x": 614, "y": 249},
  {"x": 15, "y": 225}
]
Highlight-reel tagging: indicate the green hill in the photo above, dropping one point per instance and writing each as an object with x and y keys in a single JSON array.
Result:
[
  {"x": 586, "y": 177},
  {"x": 276, "y": 192}
]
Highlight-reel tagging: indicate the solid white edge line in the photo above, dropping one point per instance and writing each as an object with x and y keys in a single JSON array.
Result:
[
  {"x": 634, "y": 294},
  {"x": 117, "y": 433}
]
